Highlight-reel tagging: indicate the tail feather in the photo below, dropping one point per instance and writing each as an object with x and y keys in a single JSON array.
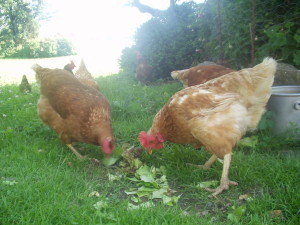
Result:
[
  {"x": 267, "y": 68},
  {"x": 82, "y": 65},
  {"x": 36, "y": 67},
  {"x": 178, "y": 74},
  {"x": 174, "y": 75},
  {"x": 263, "y": 74},
  {"x": 83, "y": 72}
]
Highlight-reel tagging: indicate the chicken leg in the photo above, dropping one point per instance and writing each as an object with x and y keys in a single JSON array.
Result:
[
  {"x": 225, "y": 182},
  {"x": 79, "y": 156},
  {"x": 208, "y": 163}
]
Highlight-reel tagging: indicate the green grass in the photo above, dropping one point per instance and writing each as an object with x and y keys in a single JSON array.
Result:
[{"x": 42, "y": 182}]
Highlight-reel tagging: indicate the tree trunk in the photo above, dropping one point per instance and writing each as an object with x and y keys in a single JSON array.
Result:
[
  {"x": 12, "y": 24},
  {"x": 253, "y": 4},
  {"x": 219, "y": 24}
]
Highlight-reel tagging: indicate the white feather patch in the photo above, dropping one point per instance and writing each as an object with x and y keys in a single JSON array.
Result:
[{"x": 182, "y": 99}]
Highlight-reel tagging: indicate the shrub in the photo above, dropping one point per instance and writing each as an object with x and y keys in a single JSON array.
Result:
[
  {"x": 64, "y": 47},
  {"x": 127, "y": 62},
  {"x": 43, "y": 49},
  {"x": 219, "y": 31},
  {"x": 169, "y": 42},
  {"x": 166, "y": 42}
]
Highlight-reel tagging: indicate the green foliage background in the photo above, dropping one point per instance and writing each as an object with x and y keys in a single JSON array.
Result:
[
  {"x": 19, "y": 29},
  {"x": 189, "y": 33},
  {"x": 43, "y": 49}
]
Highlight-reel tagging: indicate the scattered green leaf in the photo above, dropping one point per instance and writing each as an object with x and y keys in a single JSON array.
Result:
[
  {"x": 135, "y": 199},
  {"x": 142, "y": 205},
  {"x": 116, "y": 155},
  {"x": 9, "y": 182},
  {"x": 249, "y": 142},
  {"x": 112, "y": 177},
  {"x": 130, "y": 192},
  {"x": 152, "y": 184},
  {"x": 129, "y": 156},
  {"x": 109, "y": 161},
  {"x": 170, "y": 201},
  {"x": 145, "y": 174},
  {"x": 159, "y": 193},
  {"x": 208, "y": 184},
  {"x": 237, "y": 213},
  {"x": 100, "y": 205}
]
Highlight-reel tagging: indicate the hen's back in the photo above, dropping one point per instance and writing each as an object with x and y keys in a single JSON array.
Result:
[
  {"x": 67, "y": 95},
  {"x": 85, "y": 77},
  {"x": 200, "y": 74}
]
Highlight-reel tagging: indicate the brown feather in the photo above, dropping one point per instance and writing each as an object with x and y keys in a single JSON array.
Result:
[
  {"x": 85, "y": 77},
  {"x": 75, "y": 111},
  {"x": 199, "y": 74},
  {"x": 217, "y": 114}
]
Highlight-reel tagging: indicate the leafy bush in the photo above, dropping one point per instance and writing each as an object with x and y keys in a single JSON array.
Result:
[
  {"x": 218, "y": 31},
  {"x": 282, "y": 40},
  {"x": 127, "y": 61},
  {"x": 43, "y": 49},
  {"x": 177, "y": 38},
  {"x": 64, "y": 47},
  {"x": 18, "y": 23},
  {"x": 168, "y": 41}
]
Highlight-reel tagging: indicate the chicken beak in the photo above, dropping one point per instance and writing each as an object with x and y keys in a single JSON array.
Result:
[{"x": 149, "y": 150}]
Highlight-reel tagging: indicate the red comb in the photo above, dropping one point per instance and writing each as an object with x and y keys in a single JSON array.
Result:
[
  {"x": 143, "y": 138},
  {"x": 108, "y": 146}
]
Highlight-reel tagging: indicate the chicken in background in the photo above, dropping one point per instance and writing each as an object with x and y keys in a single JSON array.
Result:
[
  {"x": 25, "y": 87},
  {"x": 76, "y": 112},
  {"x": 215, "y": 115},
  {"x": 85, "y": 77},
  {"x": 199, "y": 74},
  {"x": 70, "y": 66},
  {"x": 144, "y": 71}
]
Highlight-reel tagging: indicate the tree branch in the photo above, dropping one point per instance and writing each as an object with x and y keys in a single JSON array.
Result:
[{"x": 145, "y": 8}]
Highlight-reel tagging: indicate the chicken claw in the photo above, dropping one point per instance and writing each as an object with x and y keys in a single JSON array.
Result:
[
  {"x": 225, "y": 182},
  {"x": 224, "y": 186}
]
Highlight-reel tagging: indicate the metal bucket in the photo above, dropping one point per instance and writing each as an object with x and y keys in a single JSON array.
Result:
[{"x": 285, "y": 105}]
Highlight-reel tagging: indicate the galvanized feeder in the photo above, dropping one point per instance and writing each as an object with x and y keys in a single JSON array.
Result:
[{"x": 285, "y": 105}]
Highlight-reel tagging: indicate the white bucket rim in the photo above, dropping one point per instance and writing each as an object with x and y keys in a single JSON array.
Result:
[{"x": 281, "y": 90}]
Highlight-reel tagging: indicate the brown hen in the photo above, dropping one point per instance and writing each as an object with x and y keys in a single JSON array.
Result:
[
  {"x": 215, "y": 115},
  {"x": 25, "y": 87},
  {"x": 85, "y": 77},
  {"x": 76, "y": 112},
  {"x": 199, "y": 74}
]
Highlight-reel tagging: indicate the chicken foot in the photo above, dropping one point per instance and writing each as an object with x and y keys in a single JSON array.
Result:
[
  {"x": 208, "y": 163},
  {"x": 225, "y": 182},
  {"x": 81, "y": 157}
]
